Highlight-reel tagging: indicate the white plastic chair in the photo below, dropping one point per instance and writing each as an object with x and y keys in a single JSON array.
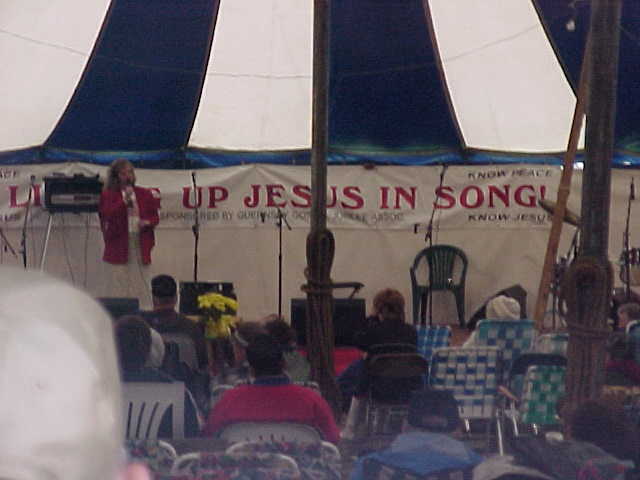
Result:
[
  {"x": 158, "y": 455},
  {"x": 329, "y": 450},
  {"x": 269, "y": 432},
  {"x": 186, "y": 462},
  {"x": 145, "y": 403},
  {"x": 183, "y": 462}
]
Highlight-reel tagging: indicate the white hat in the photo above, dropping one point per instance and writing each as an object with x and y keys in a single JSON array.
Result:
[
  {"x": 503, "y": 308},
  {"x": 156, "y": 353},
  {"x": 59, "y": 383}
]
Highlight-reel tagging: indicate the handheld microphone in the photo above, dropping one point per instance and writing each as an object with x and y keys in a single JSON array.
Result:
[
  {"x": 193, "y": 177},
  {"x": 263, "y": 216},
  {"x": 32, "y": 180},
  {"x": 632, "y": 195}
]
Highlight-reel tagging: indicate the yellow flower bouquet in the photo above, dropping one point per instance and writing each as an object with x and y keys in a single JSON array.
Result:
[{"x": 220, "y": 313}]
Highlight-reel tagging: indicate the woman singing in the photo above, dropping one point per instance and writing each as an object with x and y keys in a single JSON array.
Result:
[{"x": 128, "y": 215}]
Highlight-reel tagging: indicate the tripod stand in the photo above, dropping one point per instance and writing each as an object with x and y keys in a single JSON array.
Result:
[{"x": 6, "y": 245}]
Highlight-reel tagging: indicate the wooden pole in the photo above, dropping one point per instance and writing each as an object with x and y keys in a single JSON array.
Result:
[
  {"x": 564, "y": 189},
  {"x": 320, "y": 241},
  {"x": 589, "y": 281}
]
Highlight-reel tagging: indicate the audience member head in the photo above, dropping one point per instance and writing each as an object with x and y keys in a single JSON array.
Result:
[
  {"x": 164, "y": 291},
  {"x": 61, "y": 415},
  {"x": 433, "y": 411},
  {"x": 264, "y": 355},
  {"x": 604, "y": 423},
  {"x": 133, "y": 339},
  {"x": 619, "y": 347},
  {"x": 282, "y": 332},
  {"x": 242, "y": 335},
  {"x": 503, "y": 308},
  {"x": 388, "y": 304},
  {"x": 628, "y": 312}
]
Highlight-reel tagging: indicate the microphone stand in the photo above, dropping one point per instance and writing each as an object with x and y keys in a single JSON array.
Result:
[
  {"x": 281, "y": 218},
  {"x": 627, "y": 260},
  {"x": 6, "y": 244},
  {"x": 23, "y": 239},
  {"x": 195, "y": 228},
  {"x": 428, "y": 238}
]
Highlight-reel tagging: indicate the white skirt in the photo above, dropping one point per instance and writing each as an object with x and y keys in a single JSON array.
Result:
[{"x": 132, "y": 279}]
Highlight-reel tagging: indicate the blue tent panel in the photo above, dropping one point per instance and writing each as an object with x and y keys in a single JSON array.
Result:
[
  {"x": 386, "y": 92},
  {"x": 141, "y": 87}
]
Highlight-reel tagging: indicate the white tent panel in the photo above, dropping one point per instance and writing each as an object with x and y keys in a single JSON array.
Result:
[
  {"x": 257, "y": 93},
  {"x": 47, "y": 44},
  {"x": 502, "y": 102}
]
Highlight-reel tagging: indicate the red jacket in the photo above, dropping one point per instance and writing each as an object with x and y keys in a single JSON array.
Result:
[
  {"x": 282, "y": 402},
  {"x": 115, "y": 225}
]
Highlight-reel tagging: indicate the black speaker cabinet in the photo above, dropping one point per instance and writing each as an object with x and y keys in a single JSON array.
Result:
[
  {"x": 119, "y": 306},
  {"x": 348, "y": 317},
  {"x": 72, "y": 194},
  {"x": 189, "y": 292}
]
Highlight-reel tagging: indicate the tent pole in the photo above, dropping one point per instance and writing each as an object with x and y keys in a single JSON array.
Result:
[
  {"x": 564, "y": 189},
  {"x": 587, "y": 287},
  {"x": 320, "y": 241}
]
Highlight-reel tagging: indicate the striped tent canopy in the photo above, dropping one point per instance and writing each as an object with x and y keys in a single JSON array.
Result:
[{"x": 186, "y": 84}]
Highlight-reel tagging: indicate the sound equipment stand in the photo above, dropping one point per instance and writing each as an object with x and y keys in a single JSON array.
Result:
[
  {"x": 23, "y": 239},
  {"x": 74, "y": 194},
  {"x": 47, "y": 235}
]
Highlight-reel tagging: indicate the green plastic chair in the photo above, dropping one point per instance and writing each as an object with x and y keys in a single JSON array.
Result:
[{"x": 439, "y": 267}]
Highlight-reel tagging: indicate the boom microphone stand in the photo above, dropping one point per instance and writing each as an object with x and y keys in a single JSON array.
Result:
[
  {"x": 428, "y": 238},
  {"x": 195, "y": 227},
  {"x": 281, "y": 218}
]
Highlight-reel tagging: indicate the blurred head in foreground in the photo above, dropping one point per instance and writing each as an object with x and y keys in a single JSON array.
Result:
[
  {"x": 605, "y": 423},
  {"x": 433, "y": 411},
  {"x": 61, "y": 400}
]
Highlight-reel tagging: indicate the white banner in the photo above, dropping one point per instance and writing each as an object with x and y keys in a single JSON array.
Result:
[
  {"x": 357, "y": 197},
  {"x": 489, "y": 212}
]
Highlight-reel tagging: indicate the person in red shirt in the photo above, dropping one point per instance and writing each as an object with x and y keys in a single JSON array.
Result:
[
  {"x": 128, "y": 216},
  {"x": 271, "y": 397}
]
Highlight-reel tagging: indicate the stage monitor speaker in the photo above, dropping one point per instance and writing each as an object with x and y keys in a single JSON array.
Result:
[
  {"x": 119, "y": 306},
  {"x": 189, "y": 292},
  {"x": 348, "y": 318}
]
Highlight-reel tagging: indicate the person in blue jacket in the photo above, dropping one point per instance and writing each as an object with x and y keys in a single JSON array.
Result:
[{"x": 428, "y": 443}]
